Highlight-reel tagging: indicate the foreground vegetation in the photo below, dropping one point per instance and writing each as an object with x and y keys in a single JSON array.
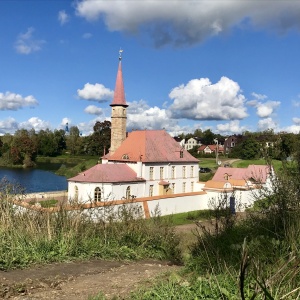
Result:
[
  {"x": 256, "y": 257},
  {"x": 35, "y": 237}
]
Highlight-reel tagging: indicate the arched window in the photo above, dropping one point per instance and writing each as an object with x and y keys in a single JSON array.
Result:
[
  {"x": 128, "y": 192},
  {"x": 97, "y": 194},
  {"x": 76, "y": 193}
]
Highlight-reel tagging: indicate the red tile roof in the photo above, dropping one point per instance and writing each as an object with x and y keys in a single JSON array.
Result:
[
  {"x": 109, "y": 173},
  {"x": 151, "y": 146},
  {"x": 257, "y": 172},
  {"x": 119, "y": 95}
]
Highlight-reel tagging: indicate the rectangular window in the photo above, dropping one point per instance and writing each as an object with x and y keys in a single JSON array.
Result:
[
  {"x": 183, "y": 171},
  {"x": 150, "y": 190},
  {"x": 192, "y": 186},
  {"x": 161, "y": 172},
  {"x": 173, "y": 187},
  {"x": 181, "y": 154},
  {"x": 192, "y": 171},
  {"x": 151, "y": 173},
  {"x": 173, "y": 172},
  {"x": 183, "y": 187}
]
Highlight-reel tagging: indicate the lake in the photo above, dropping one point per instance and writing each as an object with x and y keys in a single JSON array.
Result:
[{"x": 35, "y": 180}]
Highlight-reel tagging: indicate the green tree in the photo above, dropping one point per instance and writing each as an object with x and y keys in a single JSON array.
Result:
[
  {"x": 287, "y": 145},
  {"x": 74, "y": 142},
  {"x": 23, "y": 146},
  {"x": 208, "y": 137},
  {"x": 250, "y": 149},
  {"x": 100, "y": 138}
]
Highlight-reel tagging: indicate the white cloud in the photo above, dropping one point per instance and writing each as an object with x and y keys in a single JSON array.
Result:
[
  {"x": 259, "y": 96},
  {"x": 181, "y": 22},
  {"x": 12, "y": 101},
  {"x": 266, "y": 109},
  {"x": 231, "y": 127},
  {"x": 9, "y": 125},
  {"x": 292, "y": 129},
  {"x": 63, "y": 17},
  {"x": 141, "y": 116},
  {"x": 93, "y": 110},
  {"x": 35, "y": 123},
  {"x": 266, "y": 124},
  {"x": 97, "y": 92},
  {"x": 26, "y": 43},
  {"x": 296, "y": 120},
  {"x": 86, "y": 128},
  {"x": 199, "y": 99},
  {"x": 87, "y": 35},
  {"x": 252, "y": 103}
]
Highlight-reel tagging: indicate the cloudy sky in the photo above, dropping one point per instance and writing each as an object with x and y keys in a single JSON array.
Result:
[{"x": 227, "y": 65}]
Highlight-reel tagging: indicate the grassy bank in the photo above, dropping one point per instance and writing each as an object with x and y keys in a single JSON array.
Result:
[{"x": 36, "y": 237}]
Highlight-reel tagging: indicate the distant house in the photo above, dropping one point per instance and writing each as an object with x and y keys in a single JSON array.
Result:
[
  {"x": 209, "y": 149},
  {"x": 230, "y": 142},
  {"x": 192, "y": 142}
]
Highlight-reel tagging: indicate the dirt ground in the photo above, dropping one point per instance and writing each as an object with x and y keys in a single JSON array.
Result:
[{"x": 80, "y": 280}]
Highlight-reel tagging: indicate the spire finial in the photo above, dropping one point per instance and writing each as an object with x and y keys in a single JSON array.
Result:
[{"x": 120, "y": 54}]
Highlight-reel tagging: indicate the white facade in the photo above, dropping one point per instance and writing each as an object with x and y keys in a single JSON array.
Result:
[{"x": 156, "y": 179}]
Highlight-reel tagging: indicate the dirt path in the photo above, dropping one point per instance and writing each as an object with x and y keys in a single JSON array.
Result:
[
  {"x": 79, "y": 280},
  {"x": 82, "y": 279}
]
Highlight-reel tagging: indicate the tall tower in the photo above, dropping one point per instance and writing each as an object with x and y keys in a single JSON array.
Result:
[{"x": 118, "y": 113}]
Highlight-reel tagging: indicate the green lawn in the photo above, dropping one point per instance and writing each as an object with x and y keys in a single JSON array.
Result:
[
  {"x": 189, "y": 217},
  {"x": 277, "y": 164}
]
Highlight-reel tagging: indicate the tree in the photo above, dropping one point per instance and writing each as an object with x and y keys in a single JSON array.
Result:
[
  {"x": 23, "y": 146},
  {"x": 208, "y": 137},
  {"x": 74, "y": 143},
  {"x": 250, "y": 148},
  {"x": 287, "y": 145},
  {"x": 100, "y": 138}
]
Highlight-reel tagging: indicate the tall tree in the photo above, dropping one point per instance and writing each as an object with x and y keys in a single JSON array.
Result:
[
  {"x": 99, "y": 141},
  {"x": 23, "y": 146},
  {"x": 74, "y": 143}
]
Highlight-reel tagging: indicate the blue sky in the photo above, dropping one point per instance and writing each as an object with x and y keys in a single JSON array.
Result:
[{"x": 230, "y": 66}]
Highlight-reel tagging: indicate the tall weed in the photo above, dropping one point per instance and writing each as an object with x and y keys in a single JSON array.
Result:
[{"x": 39, "y": 236}]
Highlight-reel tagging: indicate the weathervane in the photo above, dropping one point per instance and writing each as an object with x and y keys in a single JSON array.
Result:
[{"x": 120, "y": 54}]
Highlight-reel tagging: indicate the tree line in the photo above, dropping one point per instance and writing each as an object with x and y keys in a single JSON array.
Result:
[
  {"x": 24, "y": 145},
  {"x": 251, "y": 145}
]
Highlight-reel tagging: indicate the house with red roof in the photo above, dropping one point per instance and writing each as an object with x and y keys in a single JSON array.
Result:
[
  {"x": 228, "y": 179},
  {"x": 209, "y": 149},
  {"x": 144, "y": 163}
]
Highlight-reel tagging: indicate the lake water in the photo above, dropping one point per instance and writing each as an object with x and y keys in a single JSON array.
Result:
[{"x": 35, "y": 180}]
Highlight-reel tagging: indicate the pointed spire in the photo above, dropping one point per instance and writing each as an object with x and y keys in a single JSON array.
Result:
[{"x": 119, "y": 94}]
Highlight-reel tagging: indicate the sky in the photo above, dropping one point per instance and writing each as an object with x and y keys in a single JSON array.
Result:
[{"x": 226, "y": 65}]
